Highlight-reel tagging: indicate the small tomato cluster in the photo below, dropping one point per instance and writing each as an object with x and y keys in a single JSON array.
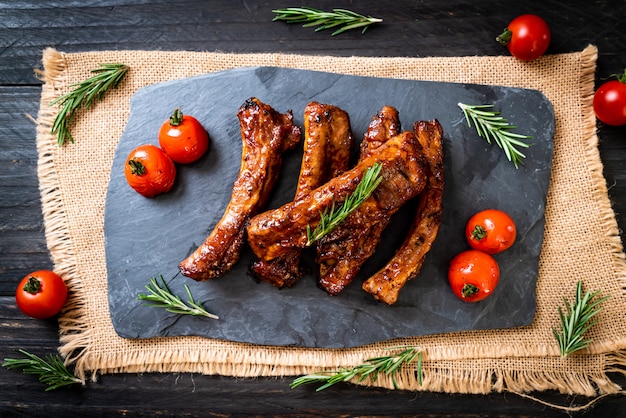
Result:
[
  {"x": 528, "y": 36},
  {"x": 474, "y": 274},
  {"x": 151, "y": 170}
]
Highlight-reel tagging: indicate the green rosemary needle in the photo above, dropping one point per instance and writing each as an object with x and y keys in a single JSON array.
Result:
[
  {"x": 490, "y": 125},
  {"x": 161, "y": 297},
  {"x": 84, "y": 95},
  {"x": 51, "y": 370},
  {"x": 576, "y": 320},
  {"x": 325, "y": 20},
  {"x": 330, "y": 219},
  {"x": 372, "y": 367}
]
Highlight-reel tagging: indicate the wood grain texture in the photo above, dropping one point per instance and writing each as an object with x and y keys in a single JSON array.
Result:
[{"x": 410, "y": 28}]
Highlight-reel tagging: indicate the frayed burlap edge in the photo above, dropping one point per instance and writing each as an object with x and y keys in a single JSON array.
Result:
[
  {"x": 437, "y": 376},
  {"x": 74, "y": 334}
]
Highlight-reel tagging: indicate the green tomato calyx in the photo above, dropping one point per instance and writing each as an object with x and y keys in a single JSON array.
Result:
[
  {"x": 479, "y": 233},
  {"x": 32, "y": 286},
  {"x": 469, "y": 290},
  {"x": 137, "y": 168},
  {"x": 176, "y": 118}
]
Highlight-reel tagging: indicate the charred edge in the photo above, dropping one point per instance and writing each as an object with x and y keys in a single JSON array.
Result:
[{"x": 251, "y": 102}]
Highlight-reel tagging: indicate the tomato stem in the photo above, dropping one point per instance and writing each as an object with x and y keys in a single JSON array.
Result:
[
  {"x": 137, "y": 168},
  {"x": 621, "y": 77},
  {"x": 479, "y": 233},
  {"x": 176, "y": 118},
  {"x": 505, "y": 37},
  {"x": 469, "y": 290},
  {"x": 33, "y": 285}
]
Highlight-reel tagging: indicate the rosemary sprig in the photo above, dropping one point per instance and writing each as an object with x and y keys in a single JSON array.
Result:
[
  {"x": 372, "y": 367},
  {"x": 325, "y": 20},
  {"x": 490, "y": 125},
  {"x": 84, "y": 95},
  {"x": 161, "y": 297},
  {"x": 51, "y": 370},
  {"x": 330, "y": 219},
  {"x": 576, "y": 320}
]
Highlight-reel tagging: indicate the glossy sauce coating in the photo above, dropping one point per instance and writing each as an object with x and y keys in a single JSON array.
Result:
[
  {"x": 328, "y": 141},
  {"x": 341, "y": 253},
  {"x": 273, "y": 233},
  {"x": 385, "y": 285},
  {"x": 265, "y": 135}
]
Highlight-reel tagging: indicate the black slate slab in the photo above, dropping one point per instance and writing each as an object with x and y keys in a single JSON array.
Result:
[{"x": 149, "y": 237}]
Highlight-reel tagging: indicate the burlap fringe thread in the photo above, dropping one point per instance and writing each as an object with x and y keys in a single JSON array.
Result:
[{"x": 75, "y": 333}]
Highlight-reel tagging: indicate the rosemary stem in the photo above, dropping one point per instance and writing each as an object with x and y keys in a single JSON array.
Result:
[
  {"x": 370, "y": 368},
  {"x": 83, "y": 95},
  {"x": 335, "y": 215},
  {"x": 51, "y": 370},
  {"x": 342, "y": 18},
  {"x": 161, "y": 296},
  {"x": 491, "y": 126},
  {"x": 576, "y": 319}
]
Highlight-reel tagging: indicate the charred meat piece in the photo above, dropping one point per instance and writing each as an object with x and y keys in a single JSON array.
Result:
[
  {"x": 328, "y": 142},
  {"x": 385, "y": 285},
  {"x": 265, "y": 135},
  {"x": 273, "y": 233},
  {"x": 341, "y": 253}
]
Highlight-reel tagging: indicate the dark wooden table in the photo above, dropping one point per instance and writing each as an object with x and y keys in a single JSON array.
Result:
[{"x": 410, "y": 28}]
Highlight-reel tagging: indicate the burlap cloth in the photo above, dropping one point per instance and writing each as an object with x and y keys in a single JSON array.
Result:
[{"x": 582, "y": 240}]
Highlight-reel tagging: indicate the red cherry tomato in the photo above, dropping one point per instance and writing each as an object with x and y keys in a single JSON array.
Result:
[
  {"x": 149, "y": 171},
  {"x": 473, "y": 275},
  {"x": 527, "y": 37},
  {"x": 609, "y": 102},
  {"x": 183, "y": 138},
  {"x": 41, "y": 294},
  {"x": 491, "y": 231}
]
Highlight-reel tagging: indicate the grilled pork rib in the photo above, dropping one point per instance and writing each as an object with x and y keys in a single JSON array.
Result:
[
  {"x": 328, "y": 142},
  {"x": 342, "y": 252},
  {"x": 273, "y": 233},
  {"x": 265, "y": 135},
  {"x": 385, "y": 285},
  {"x": 385, "y": 124}
]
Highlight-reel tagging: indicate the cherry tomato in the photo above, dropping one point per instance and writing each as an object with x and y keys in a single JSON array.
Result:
[
  {"x": 609, "y": 102},
  {"x": 183, "y": 138},
  {"x": 41, "y": 294},
  {"x": 491, "y": 231},
  {"x": 473, "y": 275},
  {"x": 527, "y": 37},
  {"x": 149, "y": 170}
]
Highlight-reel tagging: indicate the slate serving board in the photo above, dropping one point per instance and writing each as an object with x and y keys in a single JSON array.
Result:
[{"x": 149, "y": 237}]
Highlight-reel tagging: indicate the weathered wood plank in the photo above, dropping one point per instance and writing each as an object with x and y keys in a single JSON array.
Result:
[
  {"x": 22, "y": 240},
  {"x": 409, "y": 29}
]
